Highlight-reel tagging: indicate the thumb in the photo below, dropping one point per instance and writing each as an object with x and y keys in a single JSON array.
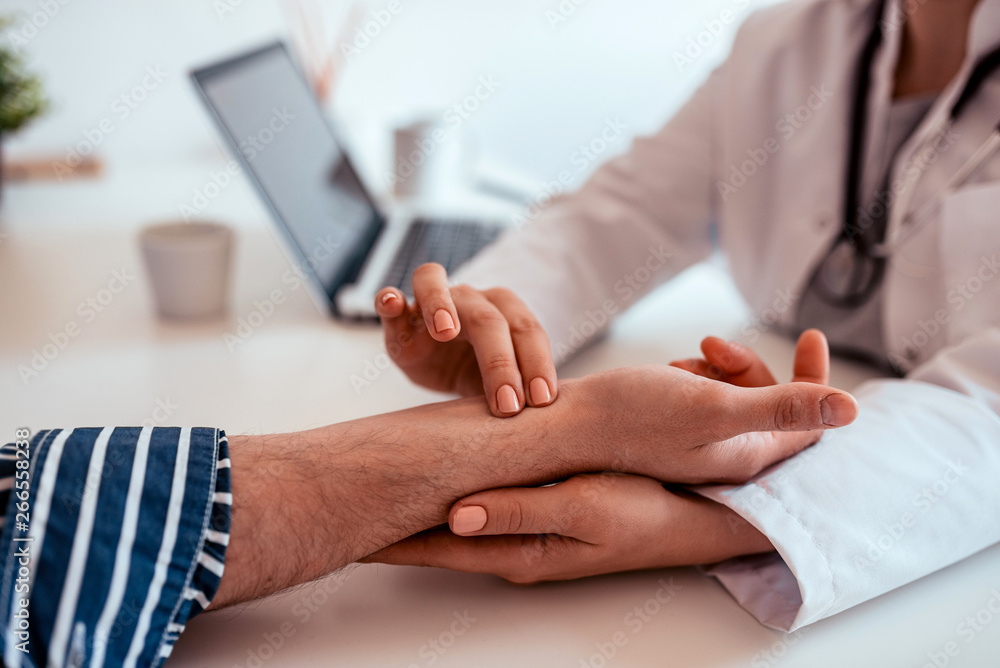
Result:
[
  {"x": 788, "y": 407},
  {"x": 514, "y": 510}
]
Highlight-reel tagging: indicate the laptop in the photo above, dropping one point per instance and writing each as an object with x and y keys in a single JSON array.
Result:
[{"x": 345, "y": 246}]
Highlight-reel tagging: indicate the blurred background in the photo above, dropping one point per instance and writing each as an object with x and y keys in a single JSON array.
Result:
[{"x": 563, "y": 68}]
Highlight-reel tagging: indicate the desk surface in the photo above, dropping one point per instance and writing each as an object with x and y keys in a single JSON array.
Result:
[{"x": 294, "y": 371}]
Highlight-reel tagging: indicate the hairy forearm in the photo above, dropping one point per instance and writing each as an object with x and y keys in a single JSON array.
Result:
[{"x": 306, "y": 504}]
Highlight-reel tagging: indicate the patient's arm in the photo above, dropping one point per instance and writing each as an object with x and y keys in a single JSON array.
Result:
[
  {"x": 592, "y": 524},
  {"x": 306, "y": 504}
]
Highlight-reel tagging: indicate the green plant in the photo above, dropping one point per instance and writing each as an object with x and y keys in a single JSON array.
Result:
[{"x": 21, "y": 96}]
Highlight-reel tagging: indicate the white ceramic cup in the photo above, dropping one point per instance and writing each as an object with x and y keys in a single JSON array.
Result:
[
  {"x": 428, "y": 157},
  {"x": 188, "y": 267}
]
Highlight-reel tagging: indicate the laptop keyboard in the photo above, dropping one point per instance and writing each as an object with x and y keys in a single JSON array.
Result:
[{"x": 449, "y": 244}]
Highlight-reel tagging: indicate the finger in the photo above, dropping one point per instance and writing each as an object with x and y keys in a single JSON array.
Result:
[
  {"x": 812, "y": 358},
  {"x": 487, "y": 332},
  {"x": 788, "y": 407},
  {"x": 389, "y": 303},
  {"x": 740, "y": 365},
  {"x": 699, "y": 367},
  {"x": 521, "y": 559},
  {"x": 440, "y": 548},
  {"x": 433, "y": 297},
  {"x": 518, "y": 510},
  {"x": 413, "y": 550},
  {"x": 399, "y": 324},
  {"x": 531, "y": 346}
]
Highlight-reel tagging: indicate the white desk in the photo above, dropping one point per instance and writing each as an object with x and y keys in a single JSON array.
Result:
[{"x": 294, "y": 372}]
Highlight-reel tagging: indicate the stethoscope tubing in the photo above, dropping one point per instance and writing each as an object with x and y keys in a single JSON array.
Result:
[{"x": 902, "y": 225}]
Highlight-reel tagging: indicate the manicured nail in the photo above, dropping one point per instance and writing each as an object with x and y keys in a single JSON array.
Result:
[
  {"x": 387, "y": 297},
  {"x": 443, "y": 321},
  {"x": 540, "y": 394},
  {"x": 837, "y": 410},
  {"x": 468, "y": 519},
  {"x": 507, "y": 400}
]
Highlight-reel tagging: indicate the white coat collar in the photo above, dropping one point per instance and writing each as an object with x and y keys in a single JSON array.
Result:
[{"x": 984, "y": 36}]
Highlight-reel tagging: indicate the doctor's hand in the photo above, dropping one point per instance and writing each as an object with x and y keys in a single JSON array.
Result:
[
  {"x": 593, "y": 524},
  {"x": 587, "y": 525},
  {"x": 469, "y": 342}
]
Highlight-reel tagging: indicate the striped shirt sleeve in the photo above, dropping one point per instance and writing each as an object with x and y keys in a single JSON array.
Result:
[{"x": 112, "y": 540}]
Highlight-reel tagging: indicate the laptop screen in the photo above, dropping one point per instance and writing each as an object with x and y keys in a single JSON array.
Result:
[{"x": 272, "y": 119}]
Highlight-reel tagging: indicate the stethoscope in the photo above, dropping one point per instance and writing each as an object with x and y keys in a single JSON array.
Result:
[{"x": 854, "y": 263}]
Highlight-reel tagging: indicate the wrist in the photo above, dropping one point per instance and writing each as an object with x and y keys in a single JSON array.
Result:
[
  {"x": 729, "y": 535},
  {"x": 470, "y": 450},
  {"x": 305, "y": 504},
  {"x": 697, "y": 530}
]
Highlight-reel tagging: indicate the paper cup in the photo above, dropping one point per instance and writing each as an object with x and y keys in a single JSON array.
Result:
[{"x": 188, "y": 267}]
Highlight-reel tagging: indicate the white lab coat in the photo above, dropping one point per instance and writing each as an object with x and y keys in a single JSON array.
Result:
[{"x": 912, "y": 486}]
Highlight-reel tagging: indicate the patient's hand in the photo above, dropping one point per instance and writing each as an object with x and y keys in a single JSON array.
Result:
[
  {"x": 736, "y": 364},
  {"x": 713, "y": 431},
  {"x": 593, "y": 524},
  {"x": 467, "y": 341}
]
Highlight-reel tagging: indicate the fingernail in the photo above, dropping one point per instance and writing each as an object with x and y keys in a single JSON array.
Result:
[
  {"x": 507, "y": 400},
  {"x": 468, "y": 519},
  {"x": 443, "y": 321},
  {"x": 735, "y": 348},
  {"x": 539, "y": 390},
  {"x": 837, "y": 410},
  {"x": 387, "y": 297}
]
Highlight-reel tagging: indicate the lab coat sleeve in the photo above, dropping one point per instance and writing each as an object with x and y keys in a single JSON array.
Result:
[
  {"x": 639, "y": 220},
  {"x": 909, "y": 488}
]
